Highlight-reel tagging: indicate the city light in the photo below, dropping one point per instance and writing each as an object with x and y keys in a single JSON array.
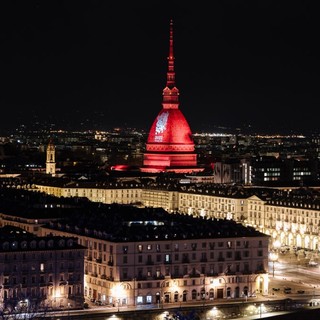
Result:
[{"x": 273, "y": 256}]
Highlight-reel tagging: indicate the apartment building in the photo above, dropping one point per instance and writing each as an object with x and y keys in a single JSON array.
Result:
[
  {"x": 105, "y": 192},
  {"x": 40, "y": 273},
  {"x": 153, "y": 257},
  {"x": 289, "y": 215}
]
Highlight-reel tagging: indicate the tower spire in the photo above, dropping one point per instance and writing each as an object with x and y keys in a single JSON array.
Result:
[
  {"x": 171, "y": 73},
  {"x": 170, "y": 145},
  {"x": 51, "y": 162},
  {"x": 170, "y": 92}
]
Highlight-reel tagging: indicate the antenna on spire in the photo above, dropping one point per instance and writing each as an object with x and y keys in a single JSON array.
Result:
[{"x": 171, "y": 73}]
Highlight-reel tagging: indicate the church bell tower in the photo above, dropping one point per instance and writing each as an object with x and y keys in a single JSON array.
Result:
[{"x": 51, "y": 159}]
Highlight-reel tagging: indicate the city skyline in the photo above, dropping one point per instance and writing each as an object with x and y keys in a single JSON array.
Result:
[{"x": 95, "y": 66}]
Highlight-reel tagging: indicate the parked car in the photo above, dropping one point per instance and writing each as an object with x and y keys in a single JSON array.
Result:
[{"x": 287, "y": 290}]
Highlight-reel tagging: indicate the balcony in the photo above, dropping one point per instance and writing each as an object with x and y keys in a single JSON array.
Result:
[
  {"x": 194, "y": 275},
  {"x": 99, "y": 260},
  {"x": 247, "y": 272},
  {"x": 177, "y": 276},
  {"x": 212, "y": 274},
  {"x": 259, "y": 271},
  {"x": 230, "y": 273}
]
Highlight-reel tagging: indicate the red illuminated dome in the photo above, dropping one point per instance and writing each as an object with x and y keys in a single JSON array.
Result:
[{"x": 170, "y": 145}]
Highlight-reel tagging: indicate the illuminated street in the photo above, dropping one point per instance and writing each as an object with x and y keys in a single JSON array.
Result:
[{"x": 290, "y": 271}]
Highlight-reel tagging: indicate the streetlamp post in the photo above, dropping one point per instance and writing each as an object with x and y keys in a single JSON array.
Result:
[
  {"x": 273, "y": 268},
  {"x": 69, "y": 305},
  {"x": 260, "y": 310},
  {"x": 273, "y": 257}
]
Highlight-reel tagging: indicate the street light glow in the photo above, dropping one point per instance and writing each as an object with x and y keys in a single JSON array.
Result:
[{"x": 273, "y": 257}]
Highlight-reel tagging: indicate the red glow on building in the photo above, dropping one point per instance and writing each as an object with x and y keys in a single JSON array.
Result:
[{"x": 170, "y": 146}]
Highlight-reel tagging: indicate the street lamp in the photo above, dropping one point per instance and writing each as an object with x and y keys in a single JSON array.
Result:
[
  {"x": 273, "y": 257},
  {"x": 276, "y": 245},
  {"x": 261, "y": 305}
]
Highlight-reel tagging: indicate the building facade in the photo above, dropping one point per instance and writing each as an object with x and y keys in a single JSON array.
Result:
[
  {"x": 164, "y": 270},
  {"x": 40, "y": 273},
  {"x": 289, "y": 215}
]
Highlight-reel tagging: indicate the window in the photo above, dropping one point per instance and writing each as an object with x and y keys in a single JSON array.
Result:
[
  {"x": 24, "y": 244},
  {"x": 14, "y": 245}
]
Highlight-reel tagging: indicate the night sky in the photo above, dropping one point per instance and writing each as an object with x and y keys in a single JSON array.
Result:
[{"x": 102, "y": 64}]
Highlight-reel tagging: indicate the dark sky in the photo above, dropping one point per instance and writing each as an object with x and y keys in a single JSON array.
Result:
[{"x": 101, "y": 64}]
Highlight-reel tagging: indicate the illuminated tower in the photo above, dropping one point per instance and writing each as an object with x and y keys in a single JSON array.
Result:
[
  {"x": 51, "y": 161},
  {"x": 170, "y": 146}
]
